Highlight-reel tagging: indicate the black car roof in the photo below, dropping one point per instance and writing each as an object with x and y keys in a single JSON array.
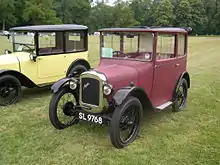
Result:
[
  {"x": 61, "y": 27},
  {"x": 148, "y": 29}
]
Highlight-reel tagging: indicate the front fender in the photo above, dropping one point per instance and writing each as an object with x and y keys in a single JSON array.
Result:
[
  {"x": 122, "y": 94},
  {"x": 60, "y": 83},
  {"x": 139, "y": 93},
  {"x": 2, "y": 71},
  {"x": 25, "y": 81}
]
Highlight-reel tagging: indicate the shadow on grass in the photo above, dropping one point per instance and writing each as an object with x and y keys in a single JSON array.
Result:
[
  {"x": 150, "y": 115},
  {"x": 100, "y": 133},
  {"x": 35, "y": 92}
]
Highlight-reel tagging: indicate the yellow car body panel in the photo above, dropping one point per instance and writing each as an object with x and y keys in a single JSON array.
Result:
[
  {"x": 9, "y": 62},
  {"x": 46, "y": 70}
]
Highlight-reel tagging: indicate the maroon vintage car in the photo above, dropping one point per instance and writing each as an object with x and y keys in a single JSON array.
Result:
[{"x": 140, "y": 68}]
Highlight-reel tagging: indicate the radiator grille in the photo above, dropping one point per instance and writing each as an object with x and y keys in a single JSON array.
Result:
[{"x": 90, "y": 91}]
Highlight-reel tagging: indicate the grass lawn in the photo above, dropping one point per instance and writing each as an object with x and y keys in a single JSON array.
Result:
[{"x": 191, "y": 136}]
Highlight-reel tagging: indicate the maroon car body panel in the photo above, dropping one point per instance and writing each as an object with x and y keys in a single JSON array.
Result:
[{"x": 120, "y": 73}]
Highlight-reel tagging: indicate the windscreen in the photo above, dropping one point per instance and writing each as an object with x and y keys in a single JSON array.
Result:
[
  {"x": 23, "y": 41},
  {"x": 138, "y": 46}
]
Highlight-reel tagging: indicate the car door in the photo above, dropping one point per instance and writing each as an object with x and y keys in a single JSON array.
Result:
[
  {"x": 51, "y": 66},
  {"x": 165, "y": 77},
  {"x": 166, "y": 70},
  {"x": 51, "y": 59}
]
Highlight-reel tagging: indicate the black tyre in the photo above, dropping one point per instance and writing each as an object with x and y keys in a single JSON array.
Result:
[
  {"x": 77, "y": 70},
  {"x": 180, "y": 95},
  {"x": 10, "y": 90},
  {"x": 62, "y": 112},
  {"x": 126, "y": 119}
]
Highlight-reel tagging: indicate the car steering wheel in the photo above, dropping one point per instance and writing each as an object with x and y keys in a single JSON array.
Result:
[
  {"x": 120, "y": 52},
  {"x": 28, "y": 47}
]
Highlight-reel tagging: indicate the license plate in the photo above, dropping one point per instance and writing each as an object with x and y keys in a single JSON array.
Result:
[{"x": 90, "y": 118}]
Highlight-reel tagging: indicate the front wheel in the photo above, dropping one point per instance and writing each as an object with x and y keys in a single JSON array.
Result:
[
  {"x": 125, "y": 122},
  {"x": 10, "y": 90},
  {"x": 62, "y": 107}
]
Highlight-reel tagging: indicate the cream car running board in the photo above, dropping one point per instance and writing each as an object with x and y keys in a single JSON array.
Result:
[{"x": 165, "y": 105}]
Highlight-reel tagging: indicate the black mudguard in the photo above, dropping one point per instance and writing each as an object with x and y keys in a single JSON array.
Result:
[
  {"x": 187, "y": 77},
  {"x": 139, "y": 93},
  {"x": 122, "y": 94},
  {"x": 60, "y": 83}
]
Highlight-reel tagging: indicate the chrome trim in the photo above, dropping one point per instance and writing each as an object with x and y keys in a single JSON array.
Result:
[
  {"x": 93, "y": 72},
  {"x": 102, "y": 100}
]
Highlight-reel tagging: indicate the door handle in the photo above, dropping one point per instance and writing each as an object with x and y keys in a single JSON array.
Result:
[{"x": 177, "y": 65}]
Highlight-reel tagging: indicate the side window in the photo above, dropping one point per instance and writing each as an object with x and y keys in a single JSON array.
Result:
[
  {"x": 146, "y": 43},
  {"x": 181, "y": 45},
  {"x": 165, "y": 46},
  {"x": 75, "y": 41},
  {"x": 50, "y": 43},
  {"x": 130, "y": 43}
]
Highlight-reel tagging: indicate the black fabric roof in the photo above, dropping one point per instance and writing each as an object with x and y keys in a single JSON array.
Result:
[{"x": 62, "y": 27}]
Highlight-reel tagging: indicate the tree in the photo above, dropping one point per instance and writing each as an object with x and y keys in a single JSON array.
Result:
[
  {"x": 141, "y": 10},
  {"x": 216, "y": 18},
  {"x": 162, "y": 13},
  {"x": 19, "y": 10},
  {"x": 183, "y": 14},
  {"x": 211, "y": 9},
  {"x": 40, "y": 12},
  {"x": 76, "y": 11},
  {"x": 101, "y": 16},
  {"x": 198, "y": 16},
  {"x": 7, "y": 13},
  {"x": 123, "y": 16}
]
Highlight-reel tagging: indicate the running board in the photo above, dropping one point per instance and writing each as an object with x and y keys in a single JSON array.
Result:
[{"x": 165, "y": 105}]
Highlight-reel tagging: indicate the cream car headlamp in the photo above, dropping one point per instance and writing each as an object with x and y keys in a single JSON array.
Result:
[
  {"x": 107, "y": 89},
  {"x": 73, "y": 84}
]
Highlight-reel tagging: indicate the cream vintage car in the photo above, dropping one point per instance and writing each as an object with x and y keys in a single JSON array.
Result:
[{"x": 42, "y": 55}]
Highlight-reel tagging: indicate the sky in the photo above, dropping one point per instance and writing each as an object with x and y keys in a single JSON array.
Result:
[{"x": 111, "y": 1}]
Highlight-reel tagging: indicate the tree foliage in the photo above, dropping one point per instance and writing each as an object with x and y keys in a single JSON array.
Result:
[
  {"x": 40, "y": 12},
  {"x": 202, "y": 15},
  {"x": 76, "y": 11},
  {"x": 162, "y": 13},
  {"x": 7, "y": 15}
]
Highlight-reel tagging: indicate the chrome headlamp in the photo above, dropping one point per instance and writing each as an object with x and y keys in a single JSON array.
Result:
[
  {"x": 107, "y": 89},
  {"x": 73, "y": 84}
]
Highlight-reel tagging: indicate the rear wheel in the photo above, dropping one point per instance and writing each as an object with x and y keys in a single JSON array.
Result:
[
  {"x": 62, "y": 107},
  {"x": 77, "y": 70},
  {"x": 180, "y": 95},
  {"x": 10, "y": 90},
  {"x": 125, "y": 122}
]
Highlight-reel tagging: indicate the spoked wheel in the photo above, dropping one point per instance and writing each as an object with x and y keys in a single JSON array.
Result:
[
  {"x": 125, "y": 124},
  {"x": 10, "y": 90},
  {"x": 62, "y": 109},
  {"x": 180, "y": 95},
  {"x": 77, "y": 70}
]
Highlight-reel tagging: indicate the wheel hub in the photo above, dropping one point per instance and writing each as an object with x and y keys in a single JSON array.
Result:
[
  {"x": 126, "y": 122},
  {"x": 5, "y": 92},
  {"x": 68, "y": 108}
]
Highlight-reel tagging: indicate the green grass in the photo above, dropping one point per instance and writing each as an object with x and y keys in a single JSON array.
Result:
[{"x": 191, "y": 136}]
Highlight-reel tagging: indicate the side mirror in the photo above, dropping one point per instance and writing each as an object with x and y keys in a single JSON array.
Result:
[
  {"x": 7, "y": 51},
  {"x": 33, "y": 56},
  {"x": 8, "y": 36}
]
